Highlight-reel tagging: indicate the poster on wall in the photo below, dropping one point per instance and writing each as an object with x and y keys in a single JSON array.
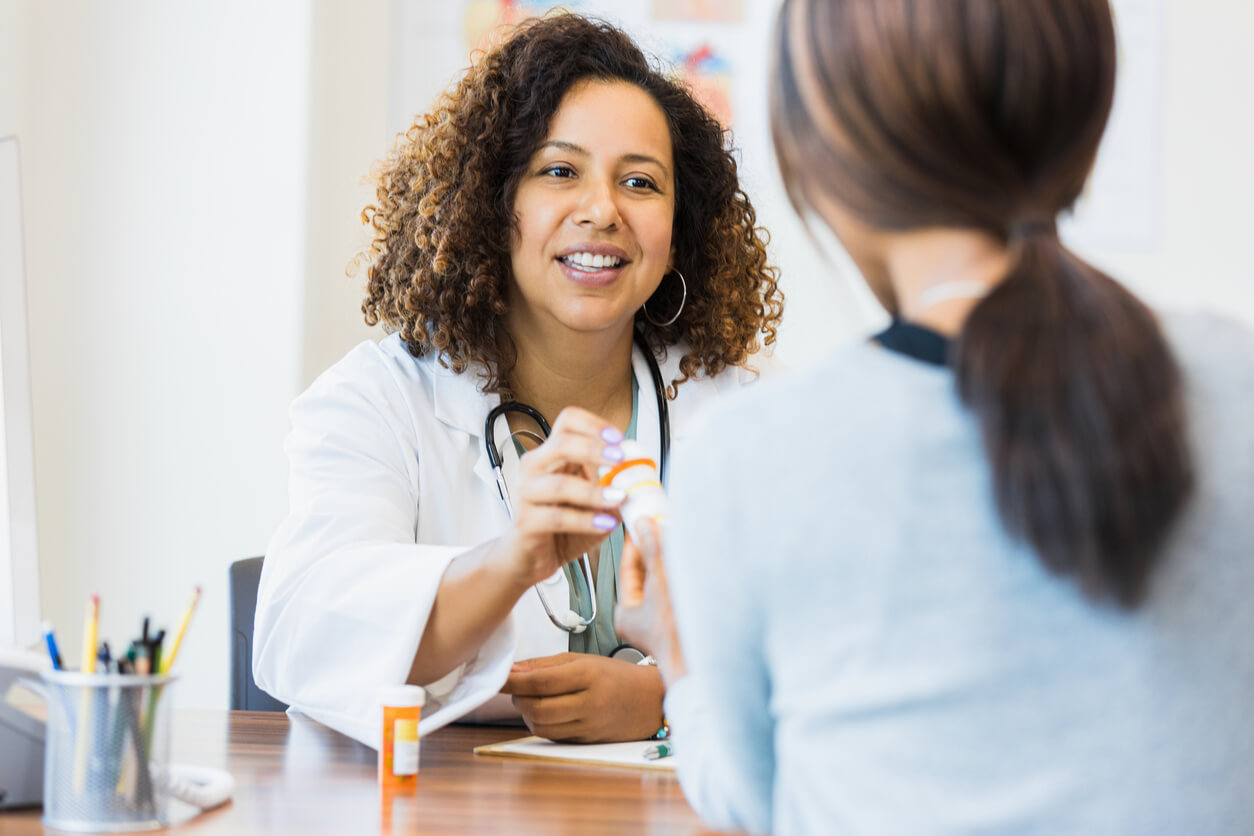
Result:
[
  {"x": 695, "y": 40},
  {"x": 729, "y": 11}
]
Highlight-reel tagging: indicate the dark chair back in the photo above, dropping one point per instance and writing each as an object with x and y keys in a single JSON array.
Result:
[{"x": 245, "y": 695}]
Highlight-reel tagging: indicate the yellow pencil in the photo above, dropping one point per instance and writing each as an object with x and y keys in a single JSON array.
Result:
[
  {"x": 91, "y": 632},
  {"x": 167, "y": 659}
]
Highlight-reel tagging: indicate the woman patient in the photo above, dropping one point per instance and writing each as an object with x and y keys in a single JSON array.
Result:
[
  {"x": 990, "y": 572},
  {"x": 563, "y": 218}
]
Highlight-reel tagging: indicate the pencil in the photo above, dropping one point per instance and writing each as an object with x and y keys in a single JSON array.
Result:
[
  {"x": 91, "y": 631},
  {"x": 167, "y": 659}
]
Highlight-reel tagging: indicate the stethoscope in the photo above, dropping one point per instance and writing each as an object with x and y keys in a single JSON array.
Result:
[{"x": 571, "y": 621}]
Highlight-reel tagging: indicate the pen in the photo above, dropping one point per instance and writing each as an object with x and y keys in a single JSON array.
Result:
[
  {"x": 58, "y": 664},
  {"x": 659, "y": 750},
  {"x": 154, "y": 652},
  {"x": 51, "y": 641},
  {"x": 167, "y": 660}
]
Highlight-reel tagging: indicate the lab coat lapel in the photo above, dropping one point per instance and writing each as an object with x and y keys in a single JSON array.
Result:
[
  {"x": 648, "y": 425},
  {"x": 460, "y": 404}
]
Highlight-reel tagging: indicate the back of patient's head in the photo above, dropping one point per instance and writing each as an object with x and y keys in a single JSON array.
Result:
[{"x": 986, "y": 115}]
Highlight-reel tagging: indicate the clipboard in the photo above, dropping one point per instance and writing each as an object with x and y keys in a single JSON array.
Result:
[{"x": 629, "y": 755}]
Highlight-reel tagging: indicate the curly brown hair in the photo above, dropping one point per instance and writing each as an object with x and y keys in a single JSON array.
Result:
[{"x": 443, "y": 217}]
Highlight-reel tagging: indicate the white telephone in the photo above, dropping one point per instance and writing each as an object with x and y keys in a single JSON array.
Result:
[
  {"x": 22, "y": 742},
  {"x": 21, "y": 735}
]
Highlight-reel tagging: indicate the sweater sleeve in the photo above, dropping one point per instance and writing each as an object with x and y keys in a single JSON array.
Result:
[{"x": 720, "y": 712}]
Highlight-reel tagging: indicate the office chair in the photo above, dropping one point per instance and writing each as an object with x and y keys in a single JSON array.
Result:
[{"x": 245, "y": 695}]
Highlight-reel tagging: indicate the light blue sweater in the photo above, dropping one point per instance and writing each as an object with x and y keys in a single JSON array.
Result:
[{"x": 869, "y": 653}]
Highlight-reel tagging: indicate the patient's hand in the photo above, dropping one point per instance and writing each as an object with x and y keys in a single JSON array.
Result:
[
  {"x": 584, "y": 698},
  {"x": 643, "y": 616}
]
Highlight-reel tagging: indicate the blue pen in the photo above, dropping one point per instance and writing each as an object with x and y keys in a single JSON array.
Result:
[
  {"x": 55, "y": 654},
  {"x": 51, "y": 641}
]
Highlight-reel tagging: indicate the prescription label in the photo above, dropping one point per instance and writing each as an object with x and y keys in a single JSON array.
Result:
[{"x": 405, "y": 747}]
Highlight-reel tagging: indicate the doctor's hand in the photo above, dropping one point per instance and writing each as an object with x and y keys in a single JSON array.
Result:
[
  {"x": 560, "y": 511},
  {"x": 584, "y": 698},
  {"x": 643, "y": 617}
]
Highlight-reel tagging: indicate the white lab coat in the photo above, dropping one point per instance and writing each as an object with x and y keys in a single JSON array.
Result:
[{"x": 389, "y": 482}]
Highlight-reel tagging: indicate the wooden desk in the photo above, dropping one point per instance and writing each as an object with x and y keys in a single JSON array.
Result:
[{"x": 295, "y": 776}]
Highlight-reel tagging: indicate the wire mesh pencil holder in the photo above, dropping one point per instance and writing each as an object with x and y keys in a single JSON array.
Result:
[{"x": 106, "y": 747}]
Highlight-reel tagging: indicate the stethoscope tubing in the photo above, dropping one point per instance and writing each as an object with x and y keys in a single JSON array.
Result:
[{"x": 496, "y": 461}]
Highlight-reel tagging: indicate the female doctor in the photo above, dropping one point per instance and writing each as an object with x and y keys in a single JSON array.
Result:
[{"x": 561, "y": 207}]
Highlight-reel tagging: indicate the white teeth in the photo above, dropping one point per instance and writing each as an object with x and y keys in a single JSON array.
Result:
[{"x": 588, "y": 261}]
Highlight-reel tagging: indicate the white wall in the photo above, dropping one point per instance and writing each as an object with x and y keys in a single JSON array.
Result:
[
  {"x": 349, "y": 81},
  {"x": 1203, "y": 251},
  {"x": 14, "y": 22},
  {"x": 18, "y": 578},
  {"x": 1204, "y": 254},
  {"x": 166, "y": 149}
]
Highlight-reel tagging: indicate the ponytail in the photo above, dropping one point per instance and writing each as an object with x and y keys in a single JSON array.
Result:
[
  {"x": 930, "y": 114},
  {"x": 1080, "y": 403}
]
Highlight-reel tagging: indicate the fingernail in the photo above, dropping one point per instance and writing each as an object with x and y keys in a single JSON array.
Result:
[
  {"x": 613, "y": 495},
  {"x": 613, "y": 454},
  {"x": 605, "y": 522},
  {"x": 611, "y": 435}
]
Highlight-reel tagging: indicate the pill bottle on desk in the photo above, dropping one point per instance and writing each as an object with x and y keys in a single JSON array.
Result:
[{"x": 401, "y": 709}]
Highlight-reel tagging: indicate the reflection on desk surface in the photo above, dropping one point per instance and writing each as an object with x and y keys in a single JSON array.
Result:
[{"x": 295, "y": 776}]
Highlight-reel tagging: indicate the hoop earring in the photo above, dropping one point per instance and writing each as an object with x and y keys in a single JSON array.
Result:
[{"x": 682, "y": 300}]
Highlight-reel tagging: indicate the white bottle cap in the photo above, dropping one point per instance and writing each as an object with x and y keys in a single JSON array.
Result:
[
  {"x": 401, "y": 696},
  {"x": 633, "y": 449}
]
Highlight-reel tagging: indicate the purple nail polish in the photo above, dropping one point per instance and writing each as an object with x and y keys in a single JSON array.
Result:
[
  {"x": 612, "y": 454},
  {"x": 611, "y": 435},
  {"x": 605, "y": 522}
]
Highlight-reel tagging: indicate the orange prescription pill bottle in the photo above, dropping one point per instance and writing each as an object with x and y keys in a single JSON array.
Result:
[{"x": 401, "y": 708}]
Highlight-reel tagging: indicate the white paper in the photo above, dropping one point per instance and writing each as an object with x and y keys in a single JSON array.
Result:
[{"x": 630, "y": 753}]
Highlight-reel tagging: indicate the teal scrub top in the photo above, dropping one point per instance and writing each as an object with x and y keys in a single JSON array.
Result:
[{"x": 600, "y": 637}]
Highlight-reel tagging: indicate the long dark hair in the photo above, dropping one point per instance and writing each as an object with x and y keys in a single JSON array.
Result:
[{"x": 987, "y": 115}]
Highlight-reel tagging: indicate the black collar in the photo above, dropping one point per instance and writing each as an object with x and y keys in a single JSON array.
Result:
[{"x": 915, "y": 341}]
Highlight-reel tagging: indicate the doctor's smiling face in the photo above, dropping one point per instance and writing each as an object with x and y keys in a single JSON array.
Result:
[{"x": 595, "y": 210}]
